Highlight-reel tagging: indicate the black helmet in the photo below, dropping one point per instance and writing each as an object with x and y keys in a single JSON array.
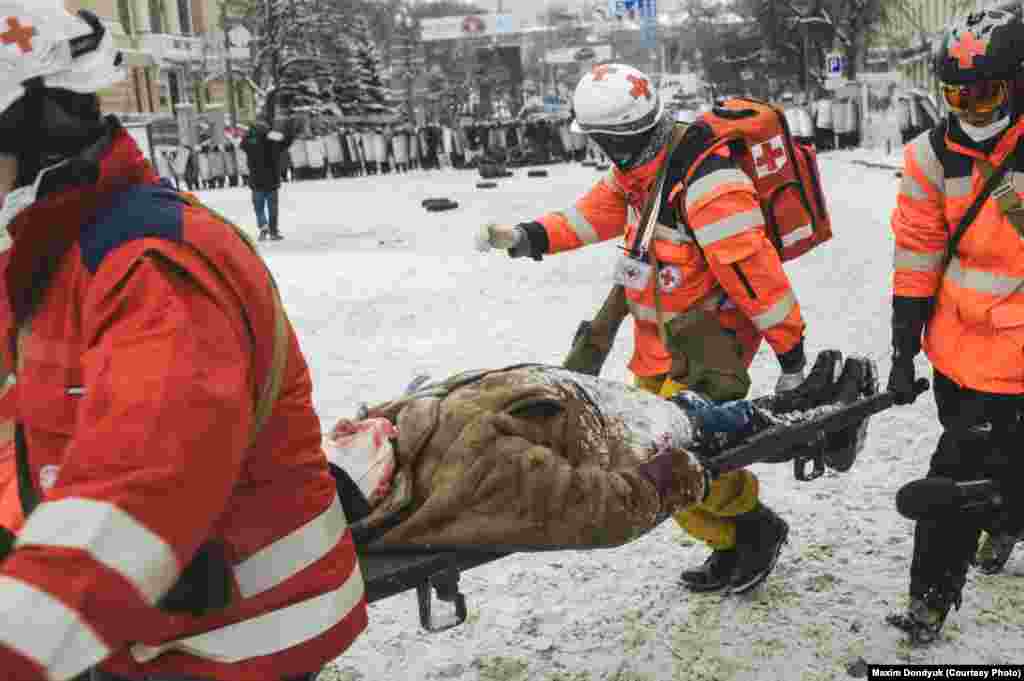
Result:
[{"x": 986, "y": 45}]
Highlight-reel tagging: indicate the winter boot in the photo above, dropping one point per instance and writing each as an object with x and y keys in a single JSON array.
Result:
[
  {"x": 858, "y": 380},
  {"x": 714, "y": 574},
  {"x": 276, "y": 236},
  {"x": 760, "y": 535},
  {"x": 264, "y": 234},
  {"x": 818, "y": 388},
  {"x": 994, "y": 551},
  {"x": 925, "y": 616}
]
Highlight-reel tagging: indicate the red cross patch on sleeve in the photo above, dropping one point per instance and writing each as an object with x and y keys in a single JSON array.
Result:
[{"x": 19, "y": 35}]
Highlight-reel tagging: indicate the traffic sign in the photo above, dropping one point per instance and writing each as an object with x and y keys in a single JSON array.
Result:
[{"x": 835, "y": 64}]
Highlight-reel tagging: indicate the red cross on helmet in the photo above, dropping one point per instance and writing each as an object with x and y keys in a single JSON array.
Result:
[
  {"x": 985, "y": 45},
  {"x": 615, "y": 99},
  {"x": 42, "y": 42}
]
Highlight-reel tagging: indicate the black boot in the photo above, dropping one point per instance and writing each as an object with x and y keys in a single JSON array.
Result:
[
  {"x": 859, "y": 380},
  {"x": 760, "y": 535},
  {"x": 924, "y": 617},
  {"x": 714, "y": 574},
  {"x": 818, "y": 388}
]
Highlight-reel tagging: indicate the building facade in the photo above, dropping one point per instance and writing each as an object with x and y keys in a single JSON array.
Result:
[{"x": 176, "y": 51}]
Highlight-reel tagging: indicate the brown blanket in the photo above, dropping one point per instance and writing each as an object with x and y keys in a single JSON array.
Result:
[{"x": 534, "y": 456}]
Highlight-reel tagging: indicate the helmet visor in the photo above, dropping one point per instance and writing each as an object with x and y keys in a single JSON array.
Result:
[
  {"x": 980, "y": 97},
  {"x": 646, "y": 122}
]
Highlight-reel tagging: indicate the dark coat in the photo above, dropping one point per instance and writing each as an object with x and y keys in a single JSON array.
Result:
[{"x": 266, "y": 157}]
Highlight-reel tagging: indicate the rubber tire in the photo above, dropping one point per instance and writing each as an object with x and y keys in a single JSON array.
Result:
[
  {"x": 508, "y": 174},
  {"x": 427, "y": 203},
  {"x": 442, "y": 205},
  {"x": 537, "y": 173},
  {"x": 602, "y": 166},
  {"x": 588, "y": 164},
  {"x": 486, "y": 185}
]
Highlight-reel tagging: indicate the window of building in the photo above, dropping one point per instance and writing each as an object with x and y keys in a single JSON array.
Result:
[
  {"x": 156, "y": 16},
  {"x": 124, "y": 15},
  {"x": 185, "y": 16},
  {"x": 166, "y": 88}
]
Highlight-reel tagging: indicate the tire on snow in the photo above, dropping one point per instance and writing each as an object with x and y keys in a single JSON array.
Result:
[
  {"x": 486, "y": 185},
  {"x": 438, "y": 205},
  {"x": 602, "y": 166},
  {"x": 537, "y": 173}
]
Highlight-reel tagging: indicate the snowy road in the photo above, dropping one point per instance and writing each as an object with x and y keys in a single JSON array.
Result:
[{"x": 381, "y": 290}]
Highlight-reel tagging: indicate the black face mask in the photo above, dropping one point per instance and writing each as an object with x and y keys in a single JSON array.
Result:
[{"x": 623, "y": 150}]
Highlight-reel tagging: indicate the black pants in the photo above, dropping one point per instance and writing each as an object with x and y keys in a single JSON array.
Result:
[{"x": 981, "y": 438}]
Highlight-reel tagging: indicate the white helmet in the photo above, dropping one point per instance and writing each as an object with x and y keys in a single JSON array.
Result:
[
  {"x": 615, "y": 99},
  {"x": 39, "y": 39}
]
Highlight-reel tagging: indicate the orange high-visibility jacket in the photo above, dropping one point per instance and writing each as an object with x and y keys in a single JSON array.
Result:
[
  {"x": 976, "y": 335},
  {"x": 739, "y": 267},
  {"x": 137, "y": 376}
]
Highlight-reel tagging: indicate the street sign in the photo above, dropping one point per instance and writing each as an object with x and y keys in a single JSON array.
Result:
[
  {"x": 648, "y": 10},
  {"x": 834, "y": 64}
]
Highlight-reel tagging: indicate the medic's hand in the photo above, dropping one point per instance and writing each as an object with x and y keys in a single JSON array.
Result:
[
  {"x": 789, "y": 381},
  {"x": 901, "y": 380},
  {"x": 493, "y": 235}
]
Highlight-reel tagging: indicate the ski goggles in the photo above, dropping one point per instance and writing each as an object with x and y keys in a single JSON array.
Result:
[{"x": 983, "y": 96}]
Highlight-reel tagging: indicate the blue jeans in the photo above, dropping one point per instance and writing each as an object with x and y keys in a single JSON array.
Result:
[
  {"x": 265, "y": 204},
  {"x": 731, "y": 418}
]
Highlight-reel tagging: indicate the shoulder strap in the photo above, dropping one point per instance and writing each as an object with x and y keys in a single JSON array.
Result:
[
  {"x": 649, "y": 214},
  {"x": 1005, "y": 195},
  {"x": 271, "y": 388},
  {"x": 993, "y": 176},
  {"x": 27, "y": 492}
]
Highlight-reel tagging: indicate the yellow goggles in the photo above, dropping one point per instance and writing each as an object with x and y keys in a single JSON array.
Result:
[{"x": 983, "y": 96}]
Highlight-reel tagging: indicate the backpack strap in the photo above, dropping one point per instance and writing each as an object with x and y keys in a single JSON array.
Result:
[
  {"x": 650, "y": 216},
  {"x": 993, "y": 178},
  {"x": 1004, "y": 193}
]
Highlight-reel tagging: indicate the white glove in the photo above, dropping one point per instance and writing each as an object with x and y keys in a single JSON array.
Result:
[
  {"x": 787, "y": 382},
  {"x": 493, "y": 235}
]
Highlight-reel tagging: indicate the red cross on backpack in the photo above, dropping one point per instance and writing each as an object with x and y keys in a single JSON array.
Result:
[{"x": 784, "y": 172}]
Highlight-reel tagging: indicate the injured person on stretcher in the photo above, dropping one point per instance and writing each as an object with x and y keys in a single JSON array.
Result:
[{"x": 540, "y": 457}]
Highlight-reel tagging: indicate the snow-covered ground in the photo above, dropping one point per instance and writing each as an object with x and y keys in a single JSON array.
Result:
[{"x": 381, "y": 290}]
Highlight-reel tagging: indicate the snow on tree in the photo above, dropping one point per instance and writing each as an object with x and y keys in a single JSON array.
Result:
[{"x": 369, "y": 93}]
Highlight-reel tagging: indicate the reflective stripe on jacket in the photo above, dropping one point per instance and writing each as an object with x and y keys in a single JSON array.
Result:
[
  {"x": 734, "y": 257},
  {"x": 976, "y": 335},
  {"x": 136, "y": 383}
]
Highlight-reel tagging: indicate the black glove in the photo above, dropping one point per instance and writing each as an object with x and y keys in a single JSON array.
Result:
[
  {"x": 534, "y": 244},
  {"x": 908, "y": 319},
  {"x": 901, "y": 380}
]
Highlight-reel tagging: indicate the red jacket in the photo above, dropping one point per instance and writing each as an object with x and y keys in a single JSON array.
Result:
[
  {"x": 137, "y": 375},
  {"x": 731, "y": 266}
]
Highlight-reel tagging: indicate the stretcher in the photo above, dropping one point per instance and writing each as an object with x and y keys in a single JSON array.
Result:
[{"x": 433, "y": 570}]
